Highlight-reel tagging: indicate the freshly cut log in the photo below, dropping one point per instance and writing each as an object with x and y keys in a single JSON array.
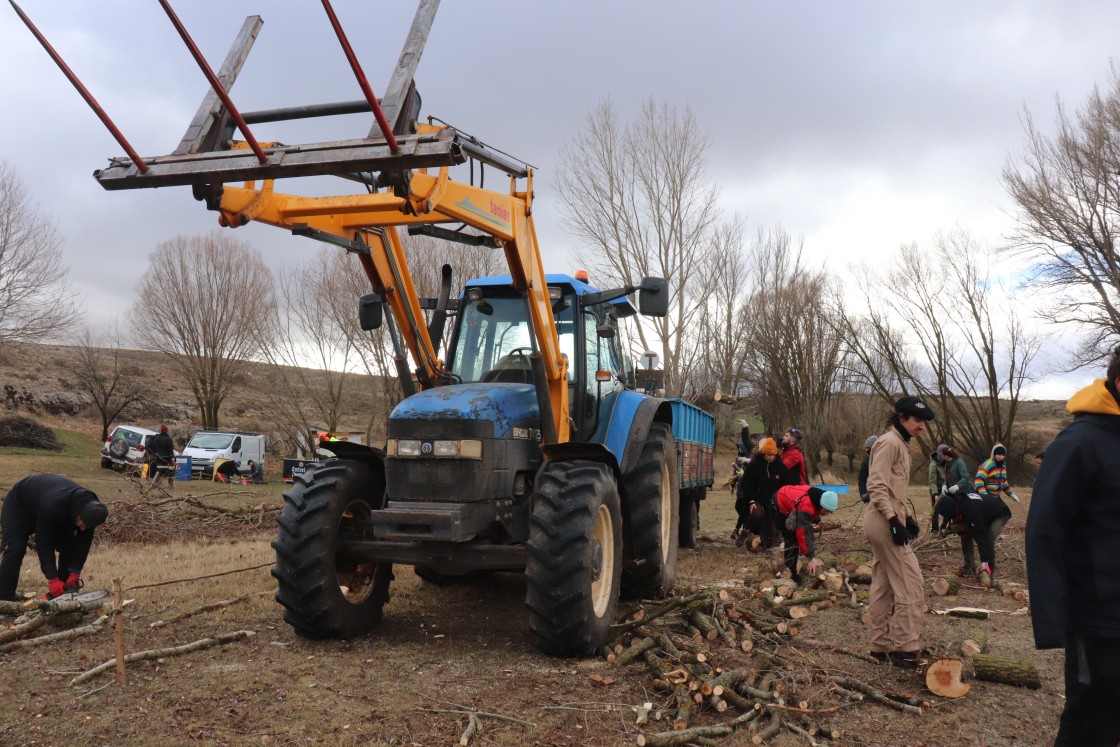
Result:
[
  {"x": 946, "y": 586},
  {"x": 796, "y": 612},
  {"x": 943, "y": 677},
  {"x": 1006, "y": 671}
]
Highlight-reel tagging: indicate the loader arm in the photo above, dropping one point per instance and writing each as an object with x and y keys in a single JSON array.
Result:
[{"x": 371, "y": 221}]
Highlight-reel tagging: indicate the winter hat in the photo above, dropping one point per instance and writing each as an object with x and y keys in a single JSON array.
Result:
[
  {"x": 829, "y": 501},
  {"x": 870, "y": 442},
  {"x": 941, "y": 449},
  {"x": 163, "y": 429},
  {"x": 94, "y": 513},
  {"x": 999, "y": 449},
  {"x": 767, "y": 446}
]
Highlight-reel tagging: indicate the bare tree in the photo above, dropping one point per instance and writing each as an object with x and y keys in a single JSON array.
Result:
[
  {"x": 938, "y": 326},
  {"x": 207, "y": 302},
  {"x": 35, "y": 299},
  {"x": 105, "y": 378},
  {"x": 722, "y": 323},
  {"x": 1067, "y": 190},
  {"x": 796, "y": 353},
  {"x": 639, "y": 197},
  {"x": 311, "y": 354}
]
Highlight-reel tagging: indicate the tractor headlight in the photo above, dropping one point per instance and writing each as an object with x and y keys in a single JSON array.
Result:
[
  {"x": 445, "y": 448},
  {"x": 408, "y": 448}
]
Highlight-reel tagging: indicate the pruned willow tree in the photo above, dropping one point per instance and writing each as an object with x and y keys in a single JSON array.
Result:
[
  {"x": 207, "y": 303},
  {"x": 1066, "y": 188},
  {"x": 937, "y": 323},
  {"x": 638, "y": 196},
  {"x": 795, "y": 352}
]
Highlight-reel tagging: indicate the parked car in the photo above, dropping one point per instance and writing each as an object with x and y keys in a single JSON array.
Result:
[
  {"x": 208, "y": 447},
  {"x": 126, "y": 446}
]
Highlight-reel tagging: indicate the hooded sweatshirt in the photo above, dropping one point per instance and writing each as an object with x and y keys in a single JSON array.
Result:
[
  {"x": 991, "y": 476},
  {"x": 49, "y": 504},
  {"x": 1073, "y": 526}
]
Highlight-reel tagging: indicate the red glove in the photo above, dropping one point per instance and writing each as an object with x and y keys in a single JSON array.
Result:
[
  {"x": 73, "y": 582},
  {"x": 56, "y": 588}
]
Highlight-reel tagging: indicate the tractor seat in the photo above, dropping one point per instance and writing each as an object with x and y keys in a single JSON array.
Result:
[{"x": 508, "y": 376}]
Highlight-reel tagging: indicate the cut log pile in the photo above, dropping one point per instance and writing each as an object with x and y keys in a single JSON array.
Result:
[{"x": 727, "y": 661}]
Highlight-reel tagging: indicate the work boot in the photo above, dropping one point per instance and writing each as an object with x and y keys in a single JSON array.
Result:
[
  {"x": 741, "y": 539},
  {"x": 905, "y": 659},
  {"x": 881, "y": 656},
  {"x": 735, "y": 534}
]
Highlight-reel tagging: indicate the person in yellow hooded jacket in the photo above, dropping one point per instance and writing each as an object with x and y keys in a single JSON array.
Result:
[{"x": 1073, "y": 569}]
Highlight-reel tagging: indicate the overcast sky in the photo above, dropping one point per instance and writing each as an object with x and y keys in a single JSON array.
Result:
[{"x": 855, "y": 125}]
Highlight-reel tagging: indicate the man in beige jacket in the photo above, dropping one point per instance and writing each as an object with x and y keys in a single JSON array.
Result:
[{"x": 897, "y": 591}]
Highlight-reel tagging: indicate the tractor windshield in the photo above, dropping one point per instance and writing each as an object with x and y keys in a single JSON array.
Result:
[{"x": 493, "y": 339}]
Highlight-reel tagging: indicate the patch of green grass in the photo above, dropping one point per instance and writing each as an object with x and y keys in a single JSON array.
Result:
[{"x": 80, "y": 459}]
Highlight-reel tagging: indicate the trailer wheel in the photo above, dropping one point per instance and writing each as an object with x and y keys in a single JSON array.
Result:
[
  {"x": 654, "y": 501},
  {"x": 575, "y": 558},
  {"x": 327, "y": 593},
  {"x": 690, "y": 517}
]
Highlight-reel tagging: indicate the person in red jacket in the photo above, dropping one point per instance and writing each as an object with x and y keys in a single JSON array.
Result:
[
  {"x": 799, "y": 507},
  {"x": 793, "y": 459}
]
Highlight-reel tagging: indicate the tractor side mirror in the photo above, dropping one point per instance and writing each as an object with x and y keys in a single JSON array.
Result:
[
  {"x": 653, "y": 296},
  {"x": 370, "y": 311}
]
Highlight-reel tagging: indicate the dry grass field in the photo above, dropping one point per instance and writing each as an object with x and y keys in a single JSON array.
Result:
[{"x": 443, "y": 650}]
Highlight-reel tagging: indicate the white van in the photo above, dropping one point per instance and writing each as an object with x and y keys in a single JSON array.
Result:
[{"x": 207, "y": 447}]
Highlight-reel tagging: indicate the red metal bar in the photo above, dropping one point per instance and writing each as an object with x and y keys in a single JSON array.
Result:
[
  {"x": 82, "y": 90},
  {"x": 215, "y": 83},
  {"x": 361, "y": 76}
]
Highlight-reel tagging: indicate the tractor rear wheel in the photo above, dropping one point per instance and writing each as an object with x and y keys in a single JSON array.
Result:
[
  {"x": 327, "y": 593},
  {"x": 654, "y": 501},
  {"x": 575, "y": 558}
]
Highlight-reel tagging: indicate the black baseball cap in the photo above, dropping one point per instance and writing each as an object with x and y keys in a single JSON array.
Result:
[{"x": 914, "y": 407}]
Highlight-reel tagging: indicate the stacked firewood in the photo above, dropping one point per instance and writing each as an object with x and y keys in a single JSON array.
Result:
[{"x": 728, "y": 659}]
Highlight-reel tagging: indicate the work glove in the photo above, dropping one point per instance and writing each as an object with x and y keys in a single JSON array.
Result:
[
  {"x": 898, "y": 532},
  {"x": 944, "y": 489},
  {"x": 73, "y": 582},
  {"x": 912, "y": 527},
  {"x": 56, "y": 588},
  {"x": 814, "y": 565},
  {"x": 865, "y": 497},
  {"x": 953, "y": 489},
  {"x": 1014, "y": 497}
]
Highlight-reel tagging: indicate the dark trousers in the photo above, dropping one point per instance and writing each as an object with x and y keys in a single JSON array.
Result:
[
  {"x": 1092, "y": 692},
  {"x": 792, "y": 550},
  {"x": 16, "y": 530}
]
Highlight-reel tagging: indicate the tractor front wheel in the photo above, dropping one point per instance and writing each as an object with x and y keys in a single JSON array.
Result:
[
  {"x": 327, "y": 593},
  {"x": 575, "y": 558}
]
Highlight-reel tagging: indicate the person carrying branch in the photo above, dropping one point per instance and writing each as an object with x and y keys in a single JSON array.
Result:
[
  {"x": 1073, "y": 569},
  {"x": 798, "y": 508},
  {"x": 897, "y": 589},
  {"x": 62, "y": 515}
]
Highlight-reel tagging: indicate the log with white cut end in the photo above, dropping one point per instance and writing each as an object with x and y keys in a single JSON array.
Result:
[
  {"x": 796, "y": 612},
  {"x": 943, "y": 677},
  {"x": 946, "y": 586},
  {"x": 970, "y": 648}
]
